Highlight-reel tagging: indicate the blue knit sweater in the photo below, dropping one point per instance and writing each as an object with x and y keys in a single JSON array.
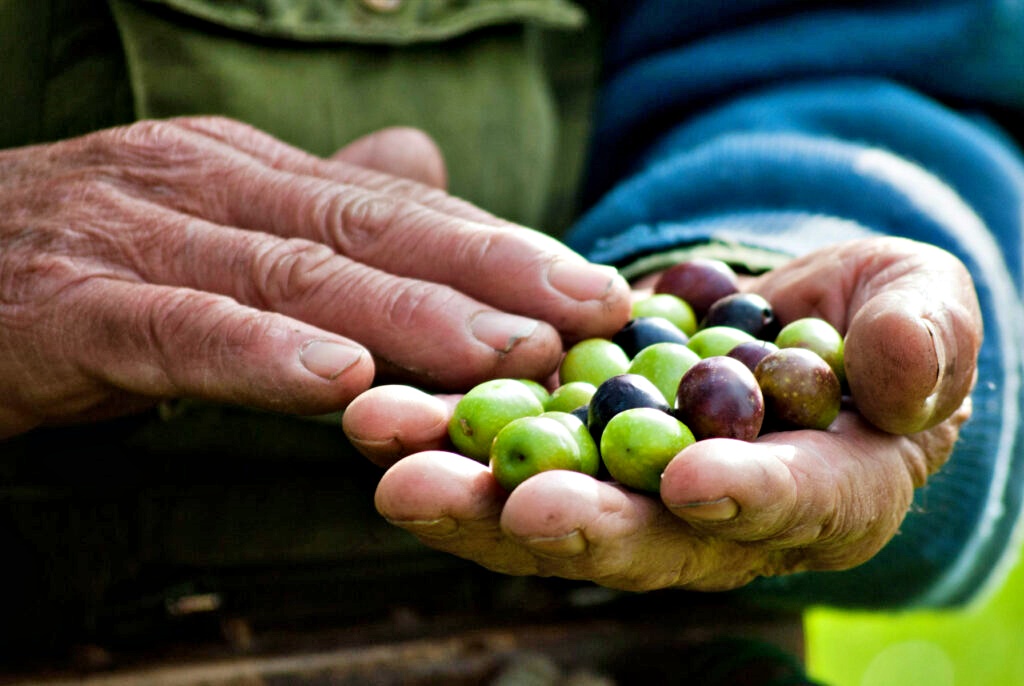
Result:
[{"x": 790, "y": 125}]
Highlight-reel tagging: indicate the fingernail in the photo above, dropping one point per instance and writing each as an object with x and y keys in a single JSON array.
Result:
[
  {"x": 328, "y": 359},
  {"x": 582, "y": 280},
  {"x": 501, "y": 331},
  {"x": 569, "y": 545},
  {"x": 709, "y": 511},
  {"x": 442, "y": 526}
]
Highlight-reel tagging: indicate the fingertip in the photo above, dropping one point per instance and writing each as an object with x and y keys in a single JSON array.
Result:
[
  {"x": 560, "y": 510},
  {"x": 603, "y": 296},
  {"x": 506, "y": 345},
  {"x": 336, "y": 372},
  {"x": 909, "y": 368},
  {"x": 389, "y": 422},
  {"x": 548, "y": 505},
  {"x": 729, "y": 484},
  {"x": 430, "y": 485}
]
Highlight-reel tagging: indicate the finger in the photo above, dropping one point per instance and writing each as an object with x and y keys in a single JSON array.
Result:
[
  {"x": 519, "y": 271},
  {"x": 561, "y": 524},
  {"x": 911, "y": 321},
  {"x": 389, "y": 422},
  {"x": 420, "y": 179},
  {"x": 511, "y": 269},
  {"x": 399, "y": 151},
  {"x": 825, "y": 500},
  {"x": 451, "y": 503},
  {"x": 161, "y": 341},
  {"x": 420, "y": 331}
]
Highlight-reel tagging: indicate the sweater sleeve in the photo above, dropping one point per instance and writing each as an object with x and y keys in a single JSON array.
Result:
[{"x": 828, "y": 154}]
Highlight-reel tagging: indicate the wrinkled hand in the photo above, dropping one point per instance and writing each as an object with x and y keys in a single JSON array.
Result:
[
  {"x": 730, "y": 511},
  {"x": 199, "y": 257}
]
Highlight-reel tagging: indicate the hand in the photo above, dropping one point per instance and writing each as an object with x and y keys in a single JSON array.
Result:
[
  {"x": 729, "y": 511},
  {"x": 199, "y": 257}
]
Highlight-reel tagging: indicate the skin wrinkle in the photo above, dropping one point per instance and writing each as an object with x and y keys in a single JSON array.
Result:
[
  {"x": 292, "y": 270},
  {"x": 163, "y": 323},
  {"x": 406, "y": 188},
  {"x": 217, "y": 129},
  {"x": 153, "y": 143},
  {"x": 277, "y": 155},
  {"x": 478, "y": 255},
  {"x": 839, "y": 545},
  {"x": 139, "y": 247},
  {"x": 97, "y": 234},
  {"x": 405, "y": 235},
  {"x": 410, "y": 302},
  {"x": 173, "y": 313},
  {"x": 474, "y": 253},
  {"x": 832, "y": 530},
  {"x": 49, "y": 391},
  {"x": 372, "y": 225},
  {"x": 357, "y": 225},
  {"x": 626, "y": 575},
  {"x": 793, "y": 529}
]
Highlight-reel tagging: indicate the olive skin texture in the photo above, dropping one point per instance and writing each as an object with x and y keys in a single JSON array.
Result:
[
  {"x": 800, "y": 389},
  {"x": 719, "y": 398}
]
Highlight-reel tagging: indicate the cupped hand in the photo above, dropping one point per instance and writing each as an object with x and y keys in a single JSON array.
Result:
[
  {"x": 729, "y": 511},
  {"x": 199, "y": 257}
]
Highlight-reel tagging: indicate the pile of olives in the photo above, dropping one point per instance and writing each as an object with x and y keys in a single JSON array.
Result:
[{"x": 699, "y": 359}]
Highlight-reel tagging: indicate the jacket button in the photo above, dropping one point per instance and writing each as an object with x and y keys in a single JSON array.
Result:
[{"x": 383, "y": 5}]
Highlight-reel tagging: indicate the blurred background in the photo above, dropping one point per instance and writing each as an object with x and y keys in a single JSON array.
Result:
[{"x": 977, "y": 646}]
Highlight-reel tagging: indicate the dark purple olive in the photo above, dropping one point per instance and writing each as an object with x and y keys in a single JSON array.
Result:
[
  {"x": 641, "y": 332},
  {"x": 745, "y": 311},
  {"x": 700, "y": 282},
  {"x": 800, "y": 389},
  {"x": 752, "y": 352},
  {"x": 719, "y": 398},
  {"x": 619, "y": 393}
]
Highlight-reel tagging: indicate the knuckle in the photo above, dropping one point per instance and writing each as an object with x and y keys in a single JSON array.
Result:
[
  {"x": 215, "y": 123},
  {"x": 144, "y": 134},
  {"x": 360, "y": 222},
  {"x": 414, "y": 305},
  {"x": 149, "y": 142},
  {"x": 294, "y": 268},
  {"x": 363, "y": 217},
  {"x": 402, "y": 187}
]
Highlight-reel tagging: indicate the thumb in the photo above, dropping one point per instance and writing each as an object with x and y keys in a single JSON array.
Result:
[
  {"x": 924, "y": 377},
  {"x": 910, "y": 317},
  {"x": 400, "y": 151}
]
